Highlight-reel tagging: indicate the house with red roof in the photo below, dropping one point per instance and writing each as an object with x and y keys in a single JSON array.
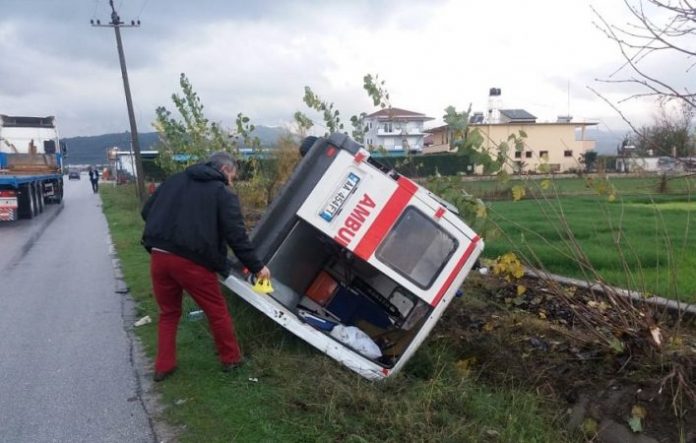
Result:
[{"x": 395, "y": 130}]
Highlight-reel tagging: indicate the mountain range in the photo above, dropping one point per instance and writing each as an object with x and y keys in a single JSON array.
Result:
[
  {"x": 91, "y": 150},
  {"x": 606, "y": 142}
]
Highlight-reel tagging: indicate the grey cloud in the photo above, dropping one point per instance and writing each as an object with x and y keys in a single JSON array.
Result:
[
  {"x": 16, "y": 81},
  {"x": 61, "y": 28},
  {"x": 57, "y": 63}
]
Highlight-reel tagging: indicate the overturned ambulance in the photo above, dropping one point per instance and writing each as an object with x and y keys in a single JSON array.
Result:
[{"x": 364, "y": 260}]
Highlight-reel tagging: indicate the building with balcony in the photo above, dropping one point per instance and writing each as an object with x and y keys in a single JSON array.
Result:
[{"x": 395, "y": 130}]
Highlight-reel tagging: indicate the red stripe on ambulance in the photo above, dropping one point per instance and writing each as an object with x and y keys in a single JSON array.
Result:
[
  {"x": 386, "y": 218},
  {"x": 457, "y": 269},
  {"x": 355, "y": 220}
]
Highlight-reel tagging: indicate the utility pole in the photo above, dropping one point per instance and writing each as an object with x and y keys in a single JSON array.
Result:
[{"x": 117, "y": 24}]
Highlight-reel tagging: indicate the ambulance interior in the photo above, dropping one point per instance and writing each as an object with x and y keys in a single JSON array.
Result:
[{"x": 329, "y": 287}]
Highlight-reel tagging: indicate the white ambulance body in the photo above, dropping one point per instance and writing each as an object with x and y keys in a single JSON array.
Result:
[{"x": 361, "y": 250}]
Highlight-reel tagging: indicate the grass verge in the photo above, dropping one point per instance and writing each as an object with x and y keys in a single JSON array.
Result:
[{"x": 290, "y": 392}]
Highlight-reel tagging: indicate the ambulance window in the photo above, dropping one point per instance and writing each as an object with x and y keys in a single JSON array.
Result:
[{"x": 417, "y": 248}]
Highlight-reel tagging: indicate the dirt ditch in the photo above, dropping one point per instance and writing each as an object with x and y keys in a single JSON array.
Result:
[{"x": 636, "y": 392}]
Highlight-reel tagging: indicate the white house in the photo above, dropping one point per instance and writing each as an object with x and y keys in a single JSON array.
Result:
[
  {"x": 652, "y": 164},
  {"x": 395, "y": 130}
]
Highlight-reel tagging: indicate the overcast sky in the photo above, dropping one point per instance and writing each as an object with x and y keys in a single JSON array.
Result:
[{"x": 256, "y": 57}]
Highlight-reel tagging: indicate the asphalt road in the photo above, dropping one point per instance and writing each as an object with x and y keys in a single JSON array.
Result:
[{"x": 66, "y": 360}]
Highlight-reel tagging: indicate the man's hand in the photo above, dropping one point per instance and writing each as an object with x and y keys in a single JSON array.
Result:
[{"x": 264, "y": 274}]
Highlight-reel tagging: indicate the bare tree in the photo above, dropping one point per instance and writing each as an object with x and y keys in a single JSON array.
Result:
[{"x": 656, "y": 27}]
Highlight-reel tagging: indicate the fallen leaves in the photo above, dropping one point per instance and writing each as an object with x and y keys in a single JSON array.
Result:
[
  {"x": 635, "y": 422},
  {"x": 464, "y": 366},
  {"x": 601, "y": 305},
  {"x": 590, "y": 427},
  {"x": 656, "y": 335},
  {"x": 509, "y": 267}
]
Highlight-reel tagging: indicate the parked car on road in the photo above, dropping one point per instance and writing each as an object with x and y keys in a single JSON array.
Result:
[{"x": 74, "y": 175}]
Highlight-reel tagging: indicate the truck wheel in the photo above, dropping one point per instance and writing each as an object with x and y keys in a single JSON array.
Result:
[
  {"x": 38, "y": 192},
  {"x": 26, "y": 202},
  {"x": 59, "y": 196},
  {"x": 34, "y": 206}
]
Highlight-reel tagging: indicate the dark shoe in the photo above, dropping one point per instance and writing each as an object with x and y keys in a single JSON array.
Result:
[
  {"x": 229, "y": 367},
  {"x": 161, "y": 376}
]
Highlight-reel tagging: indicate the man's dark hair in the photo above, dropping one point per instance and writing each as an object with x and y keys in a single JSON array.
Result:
[{"x": 221, "y": 159}]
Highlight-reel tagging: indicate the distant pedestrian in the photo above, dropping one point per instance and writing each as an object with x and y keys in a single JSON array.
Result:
[
  {"x": 94, "y": 178},
  {"x": 190, "y": 220}
]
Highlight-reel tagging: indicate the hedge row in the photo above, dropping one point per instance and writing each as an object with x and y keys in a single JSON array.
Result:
[
  {"x": 411, "y": 166},
  {"x": 428, "y": 165}
]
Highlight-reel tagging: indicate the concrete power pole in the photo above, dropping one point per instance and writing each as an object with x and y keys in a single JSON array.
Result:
[{"x": 117, "y": 24}]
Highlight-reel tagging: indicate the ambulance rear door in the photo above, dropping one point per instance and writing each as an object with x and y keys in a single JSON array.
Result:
[
  {"x": 427, "y": 249},
  {"x": 393, "y": 225}
]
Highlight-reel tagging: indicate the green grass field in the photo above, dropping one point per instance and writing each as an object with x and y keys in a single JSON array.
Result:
[
  {"x": 627, "y": 186},
  {"x": 645, "y": 243},
  {"x": 290, "y": 392}
]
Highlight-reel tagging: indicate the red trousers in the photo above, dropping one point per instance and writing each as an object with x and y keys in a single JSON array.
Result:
[{"x": 170, "y": 275}]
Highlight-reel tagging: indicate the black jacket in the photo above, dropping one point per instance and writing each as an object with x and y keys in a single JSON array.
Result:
[{"x": 194, "y": 215}]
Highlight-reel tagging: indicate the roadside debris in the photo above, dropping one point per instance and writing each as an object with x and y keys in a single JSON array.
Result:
[
  {"x": 637, "y": 389},
  {"x": 195, "y": 315},
  {"x": 143, "y": 321}
]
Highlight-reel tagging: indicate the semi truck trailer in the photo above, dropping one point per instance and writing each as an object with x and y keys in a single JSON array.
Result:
[{"x": 31, "y": 166}]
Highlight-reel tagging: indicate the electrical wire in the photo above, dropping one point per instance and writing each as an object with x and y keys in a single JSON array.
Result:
[
  {"x": 98, "y": 6},
  {"x": 141, "y": 9}
]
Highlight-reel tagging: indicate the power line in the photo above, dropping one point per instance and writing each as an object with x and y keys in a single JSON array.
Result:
[
  {"x": 143, "y": 8},
  {"x": 96, "y": 5},
  {"x": 117, "y": 24}
]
